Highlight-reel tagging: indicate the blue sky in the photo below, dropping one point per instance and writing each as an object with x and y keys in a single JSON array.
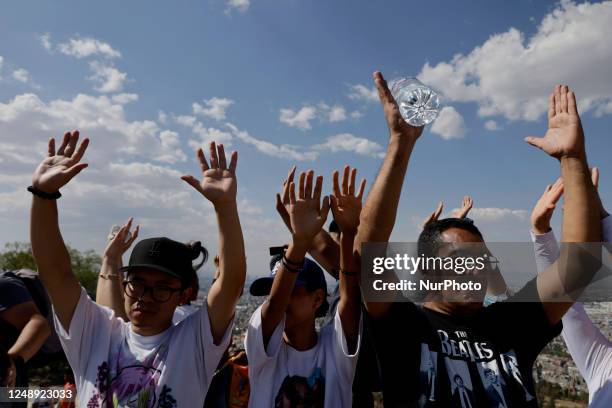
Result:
[{"x": 288, "y": 82}]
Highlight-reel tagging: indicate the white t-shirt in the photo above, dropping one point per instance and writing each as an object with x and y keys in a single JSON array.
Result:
[
  {"x": 323, "y": 373},
  {"x": 113, "y": 366},
  {"x": 589, "y": 348},
  {"x": 181, "y": 312}
]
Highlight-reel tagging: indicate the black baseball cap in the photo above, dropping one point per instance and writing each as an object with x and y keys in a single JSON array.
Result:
[
  {"x": 311, "y": 276},
  {"x": 165, "y": 255}
]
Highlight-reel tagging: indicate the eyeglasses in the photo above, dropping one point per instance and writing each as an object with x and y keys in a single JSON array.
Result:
[{"x": 136, "y": 290}]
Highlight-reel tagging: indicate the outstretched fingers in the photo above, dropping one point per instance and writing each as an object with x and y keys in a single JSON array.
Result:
[
  {"x": 51, "y": 147},
  {"x": 352, "y": 182},
  {"x": 308, "y": 188},
  {"x": 571, "y": 103},
  {"x": 78, "y": 155},
  {"x": 551, "y": 106},
  {"x": 192, "y": 181},
  {"x": 65, "y": 141},
  {"x": 361, "y": 189},
  {"x": 336, "y": 183},
  {"x": 214, "y": 159},
  {"x": 318, "y": 188},
  {"x": 233, "y": 162},
  {"x": 383, "y": 89},
  {"x": 221, "y": 156},
  {"x": 345, "y": 180},
  {"x": 202, "y": 160},
  {"x": 72, "y": 142}
]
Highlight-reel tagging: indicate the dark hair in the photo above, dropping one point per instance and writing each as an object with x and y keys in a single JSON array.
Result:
[
  {"x": 333, "y": 227},
  {"x": 430, "y": 239},
  {"x": 196, "y": 249}
]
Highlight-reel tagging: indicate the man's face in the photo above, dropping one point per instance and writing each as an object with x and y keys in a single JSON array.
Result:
[
  {"x": 461, "y": 243},
  {"x": 459, "y": 382},
  {"x": 148, "y": 314},
  {"x": 303, "y": 305}
]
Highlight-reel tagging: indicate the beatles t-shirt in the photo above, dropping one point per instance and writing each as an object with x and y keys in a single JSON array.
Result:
[{"x": 429, "y": 359}]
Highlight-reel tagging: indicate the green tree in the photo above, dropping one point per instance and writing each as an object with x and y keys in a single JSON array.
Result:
[{"x": 85, "y": 264}]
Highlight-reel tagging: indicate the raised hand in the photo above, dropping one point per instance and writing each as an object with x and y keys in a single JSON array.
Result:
[
  {"x": 306, "y": 213},
  {"x": 466, "y": 206},
  {"x": 57, "y": 169},
  {"x": 434, "y": 215},
  {"x": 281, "y": 202},
  {"x": 121, "y": 241},
  {"x": 218, "y": 183},
  {"x": 396, "y": 123},
  {"x": 564, "y": 137},
  {"x": 543, "y": 210},
  {"x": 345, "y": 205}
]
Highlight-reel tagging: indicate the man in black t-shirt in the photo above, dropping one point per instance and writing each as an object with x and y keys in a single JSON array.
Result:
[{"x": 462, "y": 342}]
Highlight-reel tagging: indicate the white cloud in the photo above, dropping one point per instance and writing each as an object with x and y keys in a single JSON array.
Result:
[
  {"x": 124, "y": 98},
  {"x": 356, "y": 115},
  {"x": 449, "y": 124},
  {"x": 496, "y": 214},
  {"x": 206, "y": 135},
  {"x": 99, "y": 117},
  {"x": 512, "y": 75},
  {"x": 45, "y": 41},
  {"x": 1, "y": 62},
  {"x": 337, "y": 113},
  {"x": 346, "y": 142},
  {"x": 215, "y": 108},
  {"x": 21, "y": 75},
  {"x": 300, "y": 119},
  {"x": 239, "y": 5},
  {"x": 108, "y": 78},
  {"x": 284, "y": 151},
  {"x": 86, "y": 47},
  {"x": 361, "y": 92},
  {"x": 491, "y": 125},
  {"x": 162, "y": 117}
]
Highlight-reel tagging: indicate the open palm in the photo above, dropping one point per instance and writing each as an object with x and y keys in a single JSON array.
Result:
[
  {"x": 218, "y": 182},
  {"x": 57, "y": 169},
  {"x": 345, "y": 204},
  {"x": 564, "y": 136},
  {"x": 306, "y": 213}
]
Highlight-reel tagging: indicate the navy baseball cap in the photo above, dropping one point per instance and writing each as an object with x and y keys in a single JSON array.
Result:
[{"x": 311, "y": 276}]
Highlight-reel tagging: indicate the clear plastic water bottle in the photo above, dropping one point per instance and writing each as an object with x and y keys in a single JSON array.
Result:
[{"x": 418, "y": 104}]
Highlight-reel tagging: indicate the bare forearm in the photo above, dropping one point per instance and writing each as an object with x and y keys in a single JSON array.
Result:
[
  {"x": 225, "y": 292},
  {"x": 31, "y": 338},
  {"x": 326, "y": 252},
  {"x": 232, "y": 259},
  {"x": 52, "y": 259},
  {"x": 349, "y": 307},
  {"x": 380, "y": 209},
  {"x": 109, "y": 290},
  {"x": 581, "y": 218},
  {"x": 275, "y": 307}
]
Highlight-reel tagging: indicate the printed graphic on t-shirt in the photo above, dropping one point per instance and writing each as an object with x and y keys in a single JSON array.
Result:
[
  {"x": 476, "y": 375},
  {"x": 428, "y": 369},
  {"x": 128, "y": 382},
  {"x": 297, "y": 391},
  {"x": 494, "y": 384}
]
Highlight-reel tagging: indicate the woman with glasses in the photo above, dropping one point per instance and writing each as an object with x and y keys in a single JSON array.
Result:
[{"x": 146, "y": 361}]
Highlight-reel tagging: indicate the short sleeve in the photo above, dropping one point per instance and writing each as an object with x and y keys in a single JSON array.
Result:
[
  {"x": 346, "y": 363},
  {"x": 12, "y": 292},
  {"x": 211, "y": 353},
  {"x": 520, "y": 323},
  {"x": 91, "y": 324},
  {"x": 257, "y": 354}
]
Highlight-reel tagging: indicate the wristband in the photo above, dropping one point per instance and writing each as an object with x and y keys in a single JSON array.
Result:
[
  {"x": 42, "y": 194},
  {"x": 300, "y": 263},
  {"x": 291, "y": 268}
]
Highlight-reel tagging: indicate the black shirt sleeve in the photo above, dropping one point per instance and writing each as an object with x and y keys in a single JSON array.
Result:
[{"x": 520, "y": 324}]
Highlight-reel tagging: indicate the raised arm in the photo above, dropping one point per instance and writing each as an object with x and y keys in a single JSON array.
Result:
[
  {"x": 323, "y": 248},
  {"x": 346, "y": 208},
  {"x": 48, "y": 248},
  {"x": 109, "y": 290},
  {"x": 219, "y": 186},
  {"x": 380, "y": 209},
  {"x": 307, "y": 216},
  {"x": 434, "y": 215},
  {"x": 564, "y": 140}
]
